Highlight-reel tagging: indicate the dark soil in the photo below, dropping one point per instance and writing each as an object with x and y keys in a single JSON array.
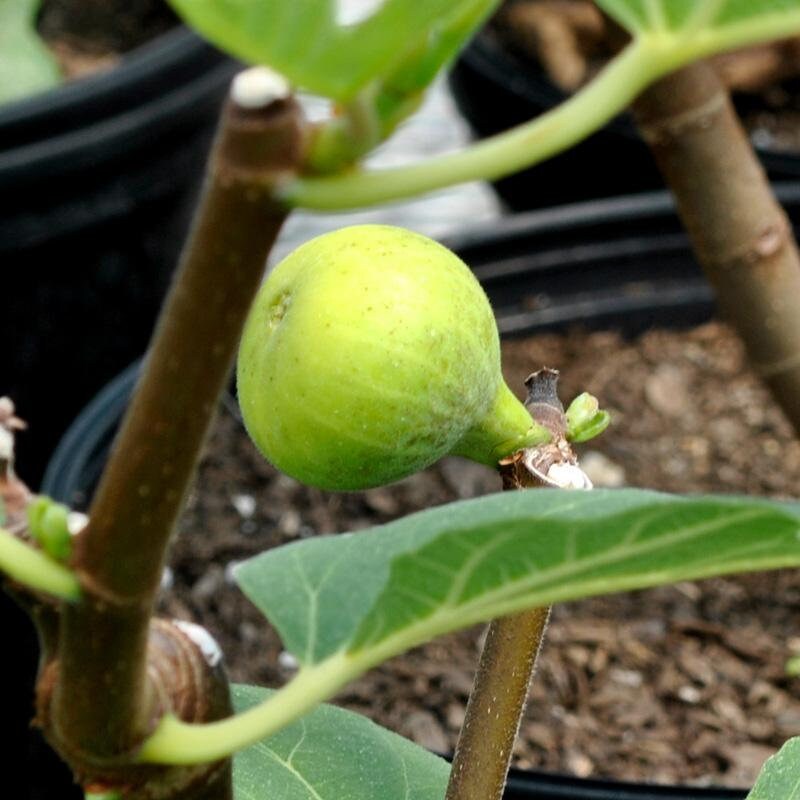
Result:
[
  {"x": 686, "y": 683},
  {"x": 89, "y": 36}
]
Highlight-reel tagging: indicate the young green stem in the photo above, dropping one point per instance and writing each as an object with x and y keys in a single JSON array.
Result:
[
  {"x": 103, "y": 703},
  {"x": 651, "y": 54},
  {"x": 508, "y": 660},
  {"x": 516, "y": 149},
  {"x": 34, "y": 569},
  {"x": 740, "y": 235}
]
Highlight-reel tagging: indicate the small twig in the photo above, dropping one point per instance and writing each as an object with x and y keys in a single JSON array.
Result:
[
  {"x": 495, "y": 706},
  {"x": 508, "y": 660}
]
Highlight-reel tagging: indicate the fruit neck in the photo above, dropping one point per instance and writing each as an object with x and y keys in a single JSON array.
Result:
[{"x": 506, "y": 428}]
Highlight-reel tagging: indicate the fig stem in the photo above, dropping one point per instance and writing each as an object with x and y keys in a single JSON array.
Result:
[
  {"x": 496, "y": 705},
  {"x": 119, "y": 556},
  {"x": 508, "y": 660}
]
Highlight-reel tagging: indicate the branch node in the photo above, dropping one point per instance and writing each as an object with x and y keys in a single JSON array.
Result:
[
  {"x": 553, "y": 464},
  {"x": 665, "y": 129},
  {"x": 186, "y": 678}
]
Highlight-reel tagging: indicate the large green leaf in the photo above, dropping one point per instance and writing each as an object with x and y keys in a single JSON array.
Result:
[
  {"x": 343, "y": 604},
  {"x": 303, "y": 40},
  {"x": 667, "y": 34},
  {"x": 780, "y": 777},
  {"x": 676, "y": 15},
  {"x": 706, "y": 25},
  {"x": 26, "y": 65},
  {"x": 333, "y": 754},
  {"x": 458, "y": 564}
]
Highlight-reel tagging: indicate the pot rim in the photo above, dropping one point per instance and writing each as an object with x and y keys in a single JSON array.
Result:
[
  {"x": 585, "y": 214},
  {"x": 541, "y": 785}
]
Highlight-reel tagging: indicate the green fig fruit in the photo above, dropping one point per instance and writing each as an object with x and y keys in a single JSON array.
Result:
[{"x": 370, "y": 353}]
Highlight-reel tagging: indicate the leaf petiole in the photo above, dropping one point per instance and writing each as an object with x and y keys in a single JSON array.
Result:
[
  {"x": 651, "y": 54},
  {"x": 176, "y": 742},
  {"x": 33, "y": 568},
  {"x": 499, "y": 155}
]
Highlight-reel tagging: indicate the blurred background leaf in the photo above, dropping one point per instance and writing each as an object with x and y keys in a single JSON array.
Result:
[{"x": 26, "y": 65}]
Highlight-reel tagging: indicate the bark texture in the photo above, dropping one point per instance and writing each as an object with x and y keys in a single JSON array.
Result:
[
  {"x": 496, "y": 705},
  {"x": 741, "y": 236},
  {"x": 104, "y": 693},
  {"x": 508, "y": 660}
]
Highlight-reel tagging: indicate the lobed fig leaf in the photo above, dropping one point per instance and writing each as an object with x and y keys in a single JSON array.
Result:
[
  {"x": 370, "y": 353},
  {"x": 400, "y": 43}
]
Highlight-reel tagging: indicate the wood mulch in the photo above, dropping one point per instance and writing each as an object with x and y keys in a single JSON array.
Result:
[{"x": 685, "y": 683}]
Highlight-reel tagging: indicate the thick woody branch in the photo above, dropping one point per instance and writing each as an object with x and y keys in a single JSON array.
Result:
[
  {"x": 185, "y": 668},
  {"x": 741, "y": 236},
  {"x": 103, "y": 700}
]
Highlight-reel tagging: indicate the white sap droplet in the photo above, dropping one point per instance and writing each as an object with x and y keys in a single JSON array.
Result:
[
  {"x": 205, "y": 642},
  {"x": 257, "y": 87},
  {"x": 76, "y": 522},
  {"x": 568, "y": 476}
]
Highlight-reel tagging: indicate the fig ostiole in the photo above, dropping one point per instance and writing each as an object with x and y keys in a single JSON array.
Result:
[{"x": 369, "y": 354}]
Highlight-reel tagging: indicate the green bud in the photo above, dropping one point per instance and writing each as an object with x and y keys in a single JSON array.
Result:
[
  {"x": 582, "y": 410},
  {"x": 792, "y": 667},
  {"x": 47, "y": 521},
  {"x": 585, "y": 420}
]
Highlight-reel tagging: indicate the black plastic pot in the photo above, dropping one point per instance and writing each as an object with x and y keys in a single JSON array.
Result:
[
  {"x": 97, "y": 180},
  {"x": 530, "y": 785},
  {"x": 96, "y": 183},
  {"x": 496, "y": 90},
  {"x": 621, "y": 263}
]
